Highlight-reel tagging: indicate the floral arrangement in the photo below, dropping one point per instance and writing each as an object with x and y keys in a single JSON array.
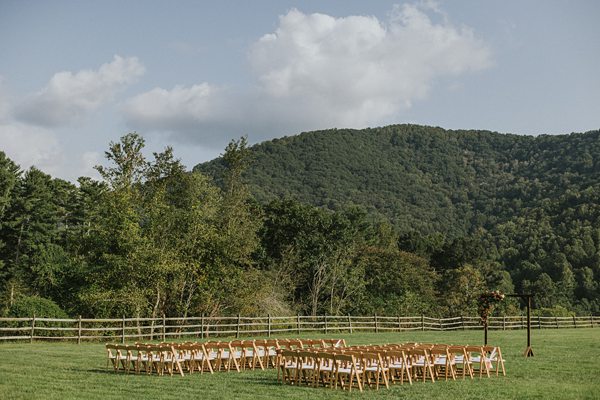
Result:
[{"x": 486, "y": 303}]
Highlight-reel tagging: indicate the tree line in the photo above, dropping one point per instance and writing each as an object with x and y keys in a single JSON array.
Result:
[{"x": 152, "y": 238}]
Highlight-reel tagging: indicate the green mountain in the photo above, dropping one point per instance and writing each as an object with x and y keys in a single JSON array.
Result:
[
  {"x": 530, "y": 206},
  {"x": 428, "y": 179}
]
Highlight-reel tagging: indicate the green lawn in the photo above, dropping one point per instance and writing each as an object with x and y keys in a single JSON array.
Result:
[{"x": 566, "y": 366}]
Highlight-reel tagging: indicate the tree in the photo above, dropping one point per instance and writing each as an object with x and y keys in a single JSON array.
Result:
[
  {"x": 129, "y": 164},
  {"x": 30, "y": 228},
  {"x": 396, "y": 283}
]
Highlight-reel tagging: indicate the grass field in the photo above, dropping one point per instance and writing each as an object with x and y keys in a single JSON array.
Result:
[{"x": 565, "y": 366}]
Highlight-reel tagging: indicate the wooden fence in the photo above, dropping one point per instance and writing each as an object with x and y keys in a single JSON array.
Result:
[{"x": 124, "y": 329}]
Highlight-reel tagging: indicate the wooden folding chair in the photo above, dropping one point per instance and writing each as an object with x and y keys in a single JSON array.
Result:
[
  {"x": 267, "y": 350},
  {"x": 251, "y": 355},
  {"x": 226, "y": 358},
  {"x": 212, "y": 353},
  {"x": 476, "y": 357},
  {"x": 132, "y": 357},
  {"x": 152, "y": 356},
  {"x": 348, "y": 372},
  {"x": 325, "y": 368},
  {"x": 307, "y": 368},
  {"x": 237, "y": 352},
  {"x": 493, "y": 354},
  {"x": 420, "y": 361},
  {"x": 193, "y": 357},
  {"x": 442, "y": 362},
  {"x": 144, "y": 358},
  {"x": 186, "y": 356},
  {"x": 116, "y": 357},
  {"x": 290, "y": 344},
  {"x": 399, "y": 367},
  {"x": 170, "y": 359},
  {"x": 375, "y": 369},
  {"x": 288, "y": 363},
  {"x": 462, "y": 364}
]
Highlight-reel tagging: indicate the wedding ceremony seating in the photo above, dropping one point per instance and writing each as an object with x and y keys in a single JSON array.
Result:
[
  {"x": 326, "y": 363},
  {"x": 374, "y": 366}
]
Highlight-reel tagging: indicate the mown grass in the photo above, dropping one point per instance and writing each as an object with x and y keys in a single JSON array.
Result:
[{"x": 565, "y": 366}]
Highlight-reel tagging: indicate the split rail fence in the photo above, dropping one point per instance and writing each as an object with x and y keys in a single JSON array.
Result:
[{"x": 164, "y": 328}]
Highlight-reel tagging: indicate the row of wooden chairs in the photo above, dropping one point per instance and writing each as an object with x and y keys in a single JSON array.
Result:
[
  {"x": 209, "y": 356},
  {"x": 360, "y": 366},
  {"x": 150, "y": 358}
]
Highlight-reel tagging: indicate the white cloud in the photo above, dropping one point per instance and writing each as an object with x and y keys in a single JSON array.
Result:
[
  {"x": 69, "y": 96},
  {"x": 87, "y": 162},
  {"x": 358, "y": 70},
  {"x": 171, "y": 108},
  {"x": 318, "y": 71},
  {"x": 29, "y": 131},
  {"x": 203, "y": 111},
  {"x": 25, "y": 144},
  {"x": 30, "y": 145}
]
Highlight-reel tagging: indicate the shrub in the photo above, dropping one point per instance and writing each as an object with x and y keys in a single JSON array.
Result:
[
  {"x": 556, "y": 311},
  {"x": 27, "y": 306}
]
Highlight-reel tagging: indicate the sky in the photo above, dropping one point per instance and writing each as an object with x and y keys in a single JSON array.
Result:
[{"x": 76, "y": 75}]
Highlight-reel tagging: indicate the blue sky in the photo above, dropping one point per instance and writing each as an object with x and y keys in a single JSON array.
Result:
[{"x": 75, "y": 75}]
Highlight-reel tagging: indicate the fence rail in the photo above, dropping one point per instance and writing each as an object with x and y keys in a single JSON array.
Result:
[{"x": 164, "y": 328}]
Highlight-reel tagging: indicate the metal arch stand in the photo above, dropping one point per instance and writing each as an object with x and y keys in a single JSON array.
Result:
[{"x": 528, "y": 351}]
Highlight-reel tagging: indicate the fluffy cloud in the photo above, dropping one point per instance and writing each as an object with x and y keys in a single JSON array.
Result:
[
  {"x": 29, "y": 130},
  {"x": 68, "y": 96},
  {"x": 178, "y": 109},
  {"x": 318, "y": 71},
  {"x": 201, "y": 113},
  {"x": 30, "y": 145},
  {"x": 358, "y": 70}
]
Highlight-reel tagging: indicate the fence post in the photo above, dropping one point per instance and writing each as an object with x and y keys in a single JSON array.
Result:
[
  {"x": 298, "y": 324},
  {"x": 179, "y": 330},
  {"x": 440, "y": 323},
  {"x": 152, "y": 324},
  {"x": 399, "y": 324},
  {"x": 326, "y": 324},
  {"x": 164, "y": 328},
  {"x": 139, "y": 328},
  {"x": 539, "y": 322},
  {"x": 556, "y": 321},
  {"x": 522, "y": 322},
  {"x": 202, "y": 326},
  {"x": 376, "y": 324},
  {"x": 422, "y": 322},
  {"x": 350, "y": 323},
  {"x": 462, "y": 322},
  {"x": 123, "y": 330},
  {"x": 504, "y": 322},
  {"x": 574, "y": 322},
  {"x": 591, "y": 321},
  {"x": 32, "y": 329},
  {"x": 269, "y": 325},
  {"x": 79, "y": 330}
]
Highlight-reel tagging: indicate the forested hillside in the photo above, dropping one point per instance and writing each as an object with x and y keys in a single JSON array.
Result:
[
  {"x": 531, "y": 204},
  {"x": 423, "y": 178},
  {"x": 395, "y": 220}
]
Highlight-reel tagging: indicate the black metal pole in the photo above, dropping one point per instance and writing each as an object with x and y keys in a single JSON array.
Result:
[
  {"x": 485, "y": 333},
  {"x": 528, "y": 350},
  {"x": 528, "y": 321}
]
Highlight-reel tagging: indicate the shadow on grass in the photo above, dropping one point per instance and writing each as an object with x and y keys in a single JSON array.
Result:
[{"x": 262, "y": 380}]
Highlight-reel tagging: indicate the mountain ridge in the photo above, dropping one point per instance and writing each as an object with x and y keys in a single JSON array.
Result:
[{"x": 419, "y": 177}]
